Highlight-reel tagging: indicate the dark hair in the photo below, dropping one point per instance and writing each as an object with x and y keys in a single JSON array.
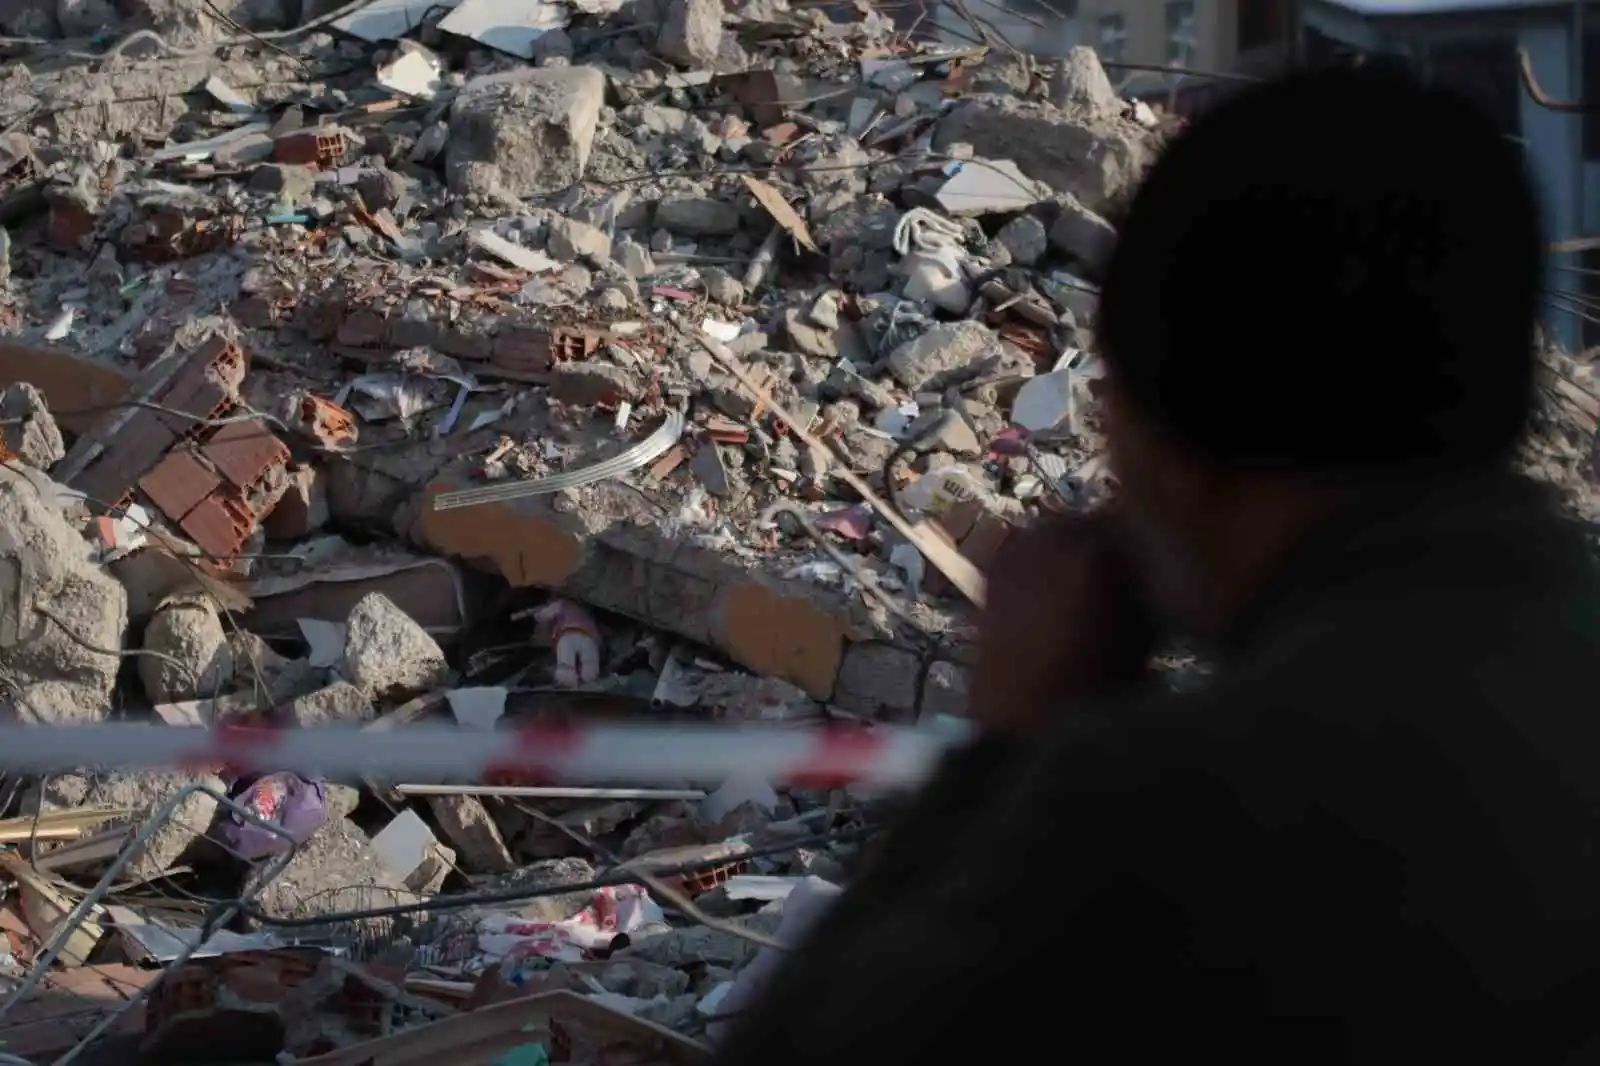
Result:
[{"x": 1336, "y": 271}]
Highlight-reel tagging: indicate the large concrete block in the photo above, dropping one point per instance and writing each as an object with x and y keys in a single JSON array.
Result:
[
  {"x": 1097, "y": 159},
  {"x": 524, "y": 132}
]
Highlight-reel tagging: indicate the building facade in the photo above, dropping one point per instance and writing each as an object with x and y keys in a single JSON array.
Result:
[{"x": 1211, "y": 35}]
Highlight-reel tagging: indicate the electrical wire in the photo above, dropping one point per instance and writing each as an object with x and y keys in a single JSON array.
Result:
[
  {"x": 620, "y": 876},
  {"x": 122, "y": 653}
]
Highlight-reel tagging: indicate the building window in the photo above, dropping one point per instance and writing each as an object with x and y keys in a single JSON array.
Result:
[
  {"x": 1180, "y": 33},
  {"x": 1113, "y": 38}
]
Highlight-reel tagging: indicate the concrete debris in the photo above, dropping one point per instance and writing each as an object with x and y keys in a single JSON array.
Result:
[
  {"x": 466, "y": 823},
  {"x": 142, "y": 796},
  {"x": 337, "y": 870},
  {"x": 524, "y": 132},
  {"x": 691, "y": 32},
  {"x": 386, "y": 653},
  {"x": 186, "y": 653},
  {"x": 28, "y": 431},
  {"x": 939, "y": 350},
  {"x": 322, "y": 402},
  {"x": 340, "y": 703}
]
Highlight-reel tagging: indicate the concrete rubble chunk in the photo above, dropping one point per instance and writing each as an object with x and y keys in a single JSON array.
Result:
[
  {"x": 697, "y": 216},
  {"x": 335, "y": 870},
  {"x": 1080, "y": 84},
  {"x": 691, "y": 32},
  {"x": 29, "y": 431},
  {"x": 466, "y": 823},
  {"x": 45, "y": 566},
  {"x": 945, "y": 431},
  {"x": 593, "y": 382},
  {"x": 388, "y": 654},
  {"x": 524, "y": 132},
  {"x": 942, "y": 348},
  {"x": 876, "y": 677},
  {"x": 145, "y": 793},
  {"x": 808, "y": 338},
  {"x": 191, "y": 658},
  {"x": 1025, "y": 238},
  {"x": 722, "y": 287},
  {"x": 1084, "y": 235},
  {"x": 303, "y": 508},
  {"x": 1098, "y": 160},
  {"x": 340, "y": 703},
  {"x": 571, "y": 239}
]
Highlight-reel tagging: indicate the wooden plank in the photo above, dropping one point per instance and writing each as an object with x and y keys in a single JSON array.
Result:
[{"x": 949, "y": 562}]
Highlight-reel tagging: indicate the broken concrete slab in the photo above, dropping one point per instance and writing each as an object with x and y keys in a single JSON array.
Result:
[
  {"x": 1098, "y": 160},
  {"x": 386, "y": 653},
  {"x": 989, "y": 187},
  {"x": 524, "y": 132},
  {"x": 789, "y": 629},
  {"x": 408, "y": 847}
]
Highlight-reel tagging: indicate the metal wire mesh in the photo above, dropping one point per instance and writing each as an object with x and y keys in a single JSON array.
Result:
[{"x": 84, "y": 999}]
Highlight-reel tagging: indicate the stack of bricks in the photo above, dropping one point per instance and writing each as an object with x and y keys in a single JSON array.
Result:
[{"x": 212, "y": 472}]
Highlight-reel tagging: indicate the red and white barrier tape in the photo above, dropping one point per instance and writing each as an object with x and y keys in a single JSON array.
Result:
[{"x": 533, "y": 755}]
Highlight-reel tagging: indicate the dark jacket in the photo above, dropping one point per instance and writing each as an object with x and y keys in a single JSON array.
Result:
[{"x": 1371, "y": 839}]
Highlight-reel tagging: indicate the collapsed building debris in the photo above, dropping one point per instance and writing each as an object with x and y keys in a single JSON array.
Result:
[{"x": 370, "y": 363}]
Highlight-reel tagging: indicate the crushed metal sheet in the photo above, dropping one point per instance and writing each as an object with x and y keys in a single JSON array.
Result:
[
  {"x": 389, "y": 20},
  {"x": 510, "y": 26},
  {"x": 639, "y": 455}
]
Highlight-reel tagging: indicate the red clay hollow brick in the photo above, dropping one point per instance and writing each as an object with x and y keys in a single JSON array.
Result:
[
  {"x": 244, "y": 451},
  {"x": 178, "y": 483}
]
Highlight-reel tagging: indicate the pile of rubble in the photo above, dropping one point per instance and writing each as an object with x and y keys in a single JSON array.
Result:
[{"x": 498, "y": 362}]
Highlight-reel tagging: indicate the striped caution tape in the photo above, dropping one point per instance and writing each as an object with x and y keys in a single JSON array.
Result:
[{"x": 831, "y": 757}]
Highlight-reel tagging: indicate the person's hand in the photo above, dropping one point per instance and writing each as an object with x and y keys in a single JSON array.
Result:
[{"x": 1061, "y": 626}]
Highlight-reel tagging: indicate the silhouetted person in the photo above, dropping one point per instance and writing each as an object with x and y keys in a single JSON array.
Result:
[{"x": 1372, "y": 837}]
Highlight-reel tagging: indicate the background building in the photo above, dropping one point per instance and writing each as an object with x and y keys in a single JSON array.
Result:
[{"x": 1474, "y": 46}]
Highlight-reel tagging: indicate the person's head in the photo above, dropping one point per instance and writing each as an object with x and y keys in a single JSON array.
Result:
[{"x": 1327, "y": 282}]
